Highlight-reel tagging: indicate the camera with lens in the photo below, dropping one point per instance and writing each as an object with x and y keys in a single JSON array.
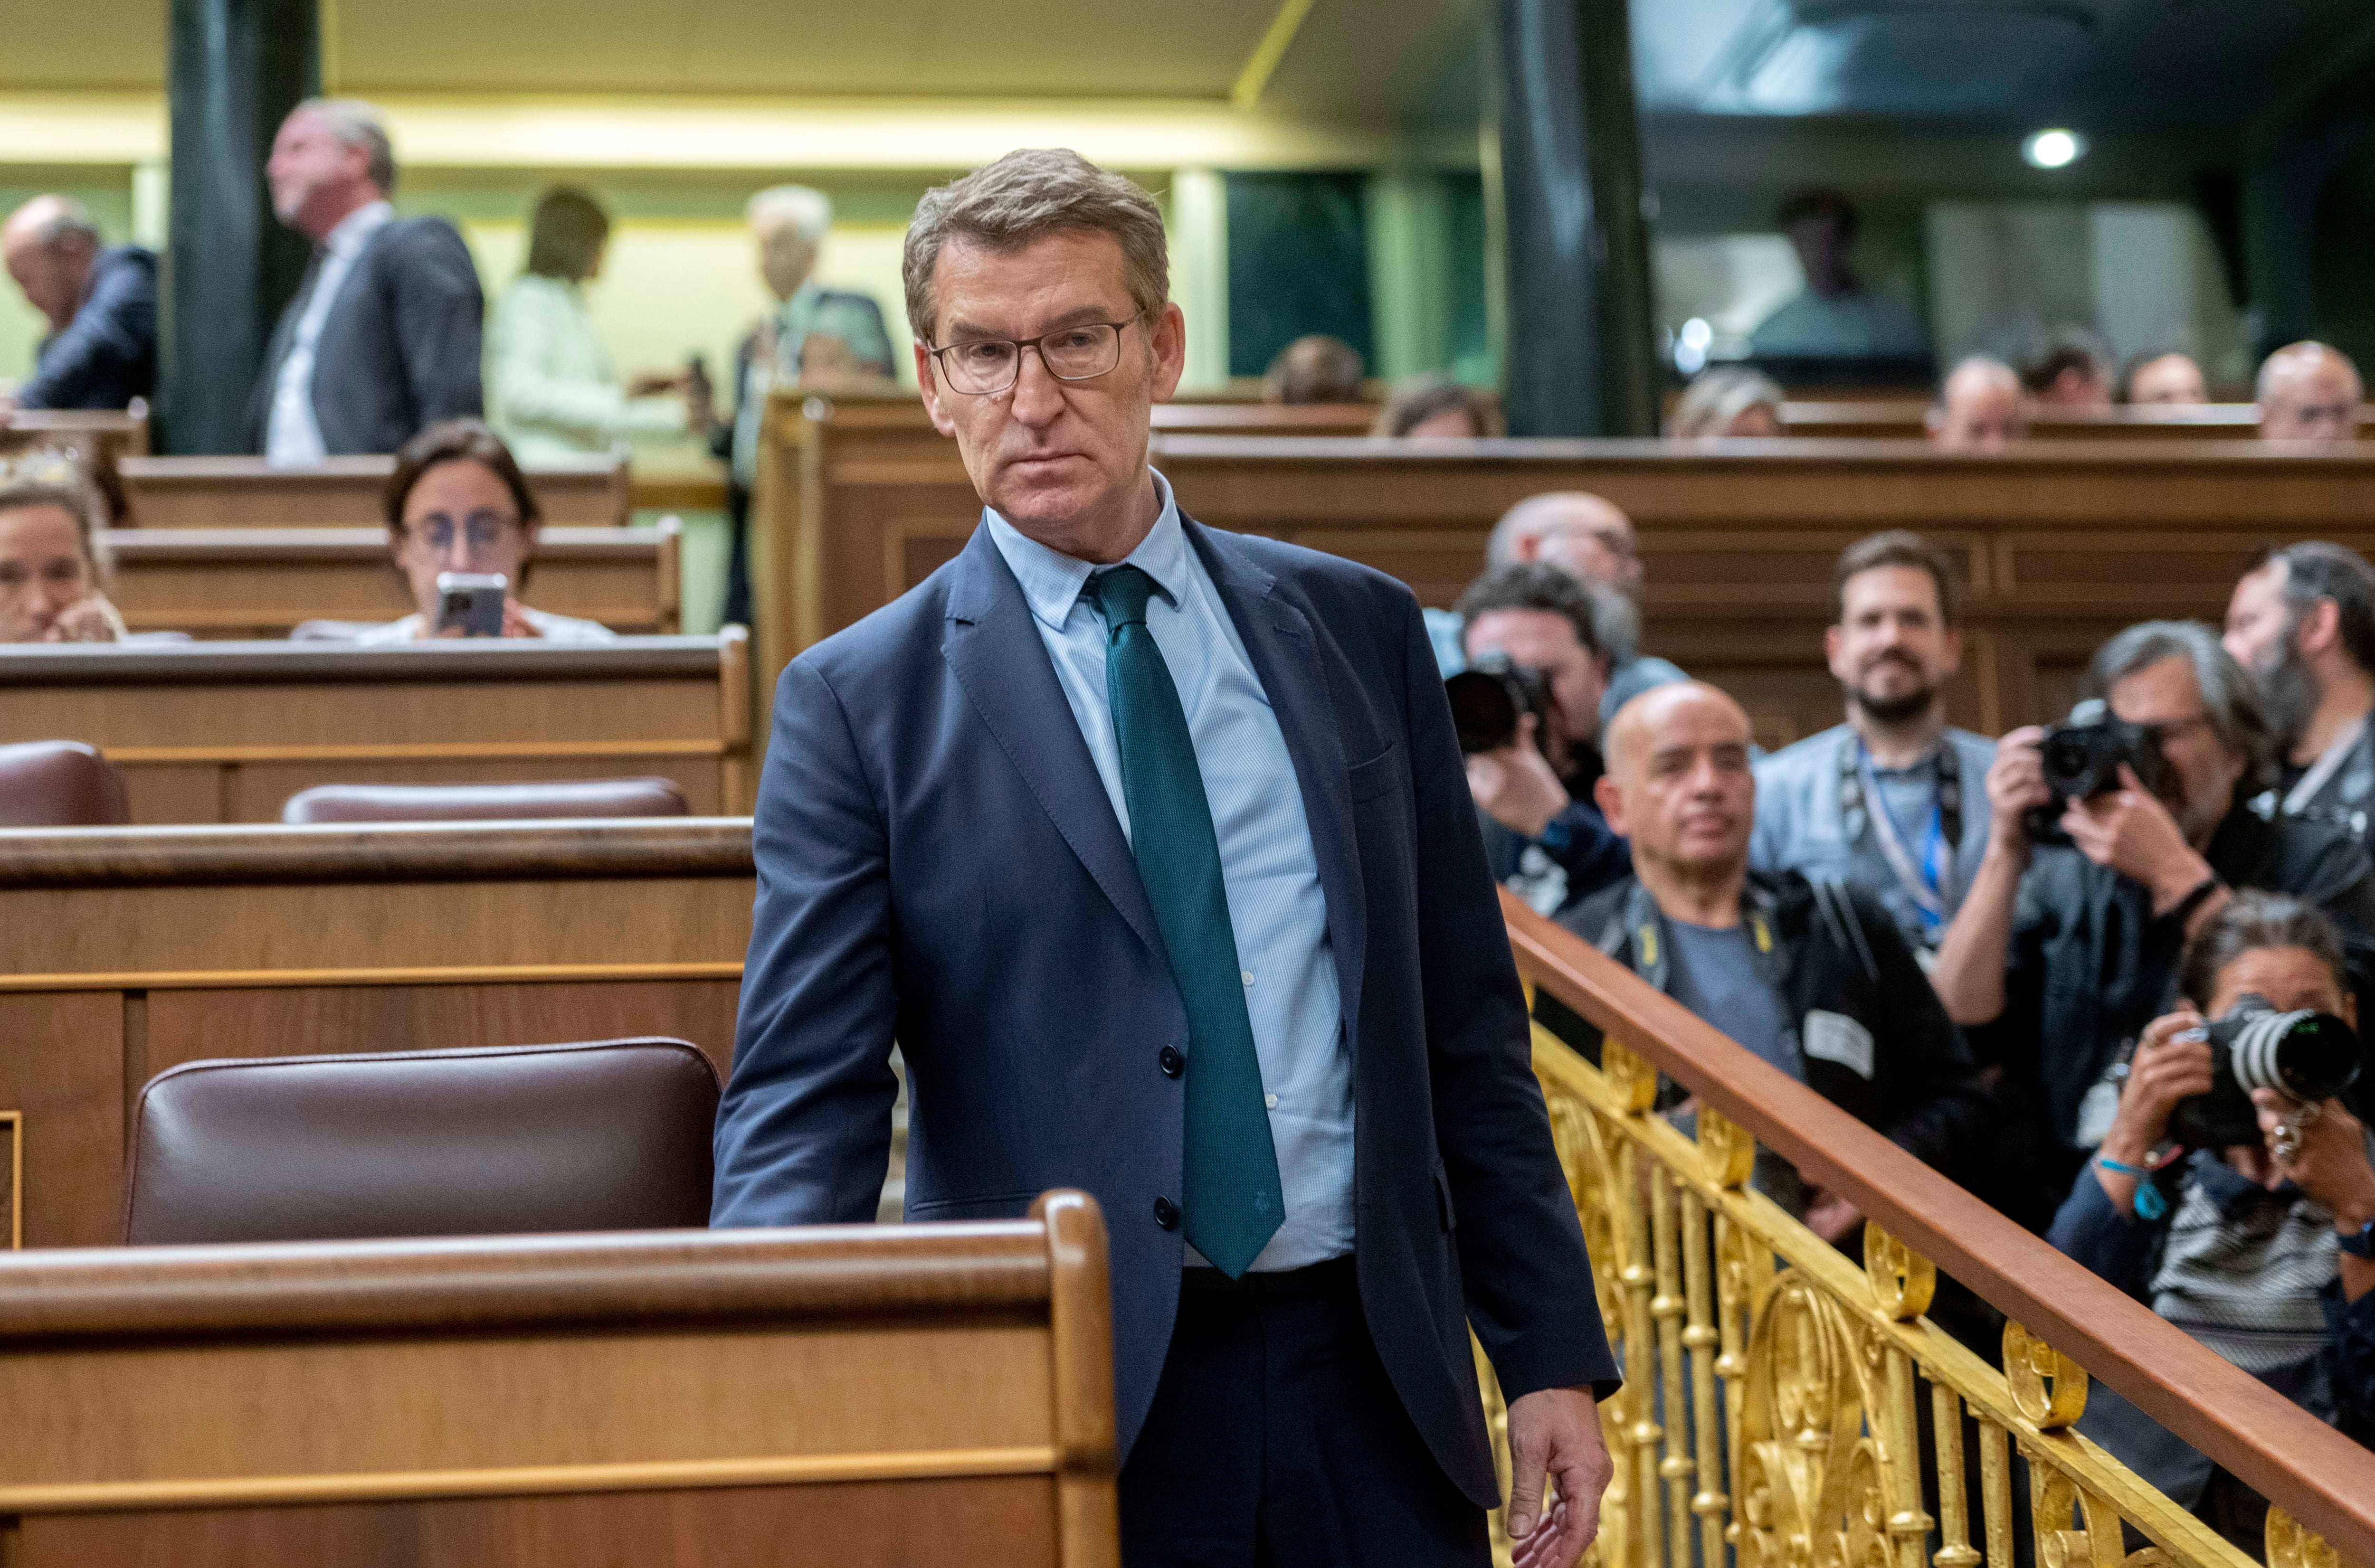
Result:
[
  {"x": 2081, "y": 758},
  {"x": 2309, "y": 1055},
  {"x": 1490, "y": 696}
]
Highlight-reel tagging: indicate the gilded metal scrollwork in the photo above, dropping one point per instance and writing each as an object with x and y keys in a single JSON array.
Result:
[
  {"x": 2048, "y": 1387},
  {"x": 1903, "y": 1281},
  {"x": 2292, "y": 1546}
]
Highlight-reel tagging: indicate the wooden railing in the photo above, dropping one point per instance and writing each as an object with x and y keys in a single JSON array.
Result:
[{"x": 1777, "y": 1396}]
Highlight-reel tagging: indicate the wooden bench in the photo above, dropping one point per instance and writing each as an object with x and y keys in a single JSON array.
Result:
[
  {"x": 130, "y": 950},
  {"x": 916, "y": 1397},
  {"x": 106, "y": 434},
  {"x": 340, "y": 493},
  {"x": 261, "y": 583},
  {"x": 224, "y": 732},
  {"x": 2061, "y": 543},
  {"x": 1902, "y": 420}
]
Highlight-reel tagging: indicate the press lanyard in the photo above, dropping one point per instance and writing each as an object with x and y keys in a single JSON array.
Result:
[
  {"x": 2327, "y": 765},
  {"x": 1927, "y": 881}
]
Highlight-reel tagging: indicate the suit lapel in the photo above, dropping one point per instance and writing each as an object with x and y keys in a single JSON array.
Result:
[
  {"x": 1285, "y": 653},
  {"x": 994, "y": 649}
]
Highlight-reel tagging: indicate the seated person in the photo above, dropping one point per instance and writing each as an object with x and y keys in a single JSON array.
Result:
[
  {"x": 51, "y": 573},
  {"x": 2303, "y": 621},
  {"x": 1315, "y": 368},
  {"x": 1982, "y": 407},
  {"x": 1726, "y": 402},
  {"x": 1435, "y": 408},
  {"x": 2309, "y": 391},
  {"x": 1543, "y": 832},
  {"x": 1836, "y": 317},
  {"x": 457, "y": 502},
  {"x": 2164, "y": 378},
  {"x": 2069, "y": 372},
  {"x": 1810, "y": 975},
  {"x": 2262, "y": 1251},
  {"x": 2061, "y": 953},
  {"x": 1895, "y": 651}
]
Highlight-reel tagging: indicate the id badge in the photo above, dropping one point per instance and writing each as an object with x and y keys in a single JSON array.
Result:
[{"x": 2097, "y": 1112}]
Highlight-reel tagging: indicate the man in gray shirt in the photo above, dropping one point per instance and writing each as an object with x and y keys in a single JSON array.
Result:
[{"x": 1892, "y": 802}]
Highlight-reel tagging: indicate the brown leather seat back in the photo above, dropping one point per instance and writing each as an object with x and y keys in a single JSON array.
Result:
[
  {"x": 486, "y": 803},
  {"x": 60, "y": 784},
  {"x": 609, "y": 1136}
]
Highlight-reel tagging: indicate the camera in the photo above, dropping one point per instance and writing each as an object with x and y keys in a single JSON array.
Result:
[
  {"x": 1490, "y": 696},
  {"x": 2081, "y": 756},
  {"x": 2309, "y": 1055}
]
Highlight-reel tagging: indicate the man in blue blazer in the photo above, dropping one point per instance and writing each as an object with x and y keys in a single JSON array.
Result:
[{"x": 1151, "y": 848}]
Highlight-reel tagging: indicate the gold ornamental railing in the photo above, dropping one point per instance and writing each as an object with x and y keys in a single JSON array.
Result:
[{"x": 1786, "y": 1409}]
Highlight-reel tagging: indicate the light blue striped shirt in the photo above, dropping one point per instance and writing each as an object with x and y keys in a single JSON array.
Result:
[{"x": 1276, "y": 907}]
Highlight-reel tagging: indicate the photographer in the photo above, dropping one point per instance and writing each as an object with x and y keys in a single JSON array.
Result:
[
  {"x": 2303, "y": 621},
  {"x": 1542, "y": 834},
  {"x": 2262, "y": 1250},
  {"x": 2061, "y": 954}
]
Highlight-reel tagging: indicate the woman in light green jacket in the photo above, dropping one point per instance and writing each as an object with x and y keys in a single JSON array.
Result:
[{"x": 554, "y": 389}]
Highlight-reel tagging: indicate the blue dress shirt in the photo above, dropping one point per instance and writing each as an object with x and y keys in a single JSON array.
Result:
[{"x": 1276, "y": 907}]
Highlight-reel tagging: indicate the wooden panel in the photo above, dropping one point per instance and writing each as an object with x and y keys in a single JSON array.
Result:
[
  {"x": 261, "y": 583},
  {"x": 62, "y": 1072},
  {"x": 225, "y": 732},
  {"x": 342, "y": 492},
  {"x": 187, "y": 1026},
  {"x": 1902, "y": 419},
  {"x": 964, "y": 1522}
]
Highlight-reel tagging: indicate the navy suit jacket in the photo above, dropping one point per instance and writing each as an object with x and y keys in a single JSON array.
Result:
[
  {"x": 939, "y": 865},
  {"x": 107, "y": 355}
]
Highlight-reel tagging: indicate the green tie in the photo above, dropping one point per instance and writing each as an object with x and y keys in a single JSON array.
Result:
[{"x": 1229, "y": 1187}]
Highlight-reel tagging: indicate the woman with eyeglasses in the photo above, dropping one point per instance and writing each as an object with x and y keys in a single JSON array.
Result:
[{"x": 457, "y": 502}]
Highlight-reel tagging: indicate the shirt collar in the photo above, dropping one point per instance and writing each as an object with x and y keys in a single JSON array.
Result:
[
  {"x": 356, "y": 226},
  {"x": 1052, "y": 581}
]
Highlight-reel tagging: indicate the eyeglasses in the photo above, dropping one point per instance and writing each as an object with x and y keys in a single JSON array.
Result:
[
  {"x": 985, "y": 366},
  {"x": 481, "y": 532}
]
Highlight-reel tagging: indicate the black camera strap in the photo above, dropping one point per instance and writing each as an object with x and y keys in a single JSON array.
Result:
[{"x": 1928, "y": 879}]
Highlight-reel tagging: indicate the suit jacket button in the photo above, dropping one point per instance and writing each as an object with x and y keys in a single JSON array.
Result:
[
  {"x": 1166, "y": 1214},
  {"x": 1172, "y": 1063}
]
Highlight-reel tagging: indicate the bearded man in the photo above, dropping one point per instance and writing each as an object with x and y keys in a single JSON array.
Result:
[
  {"x": 1889, "y": 803},
  {"x": 2303, "y": 621}
]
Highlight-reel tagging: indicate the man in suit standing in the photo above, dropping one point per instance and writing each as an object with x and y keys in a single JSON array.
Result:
[
  {"x": 1152, "y": 847},
  {"x": 827, "y": 338},
  {"x": 101, "y": 304},
  {"x": 382, "y": 338}
]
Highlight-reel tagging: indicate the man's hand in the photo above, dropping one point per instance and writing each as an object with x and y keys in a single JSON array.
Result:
[
  {"x": 2330, "y": 1163},
  {"x": 1555, "y": 1432},
  {"x": 1514, "y": 784},
  {"x": 2129, "y": 831},
  {"x": 2015, "y": 783}
]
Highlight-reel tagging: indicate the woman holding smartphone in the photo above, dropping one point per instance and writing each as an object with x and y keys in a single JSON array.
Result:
[{"x": 457, "y": 505}]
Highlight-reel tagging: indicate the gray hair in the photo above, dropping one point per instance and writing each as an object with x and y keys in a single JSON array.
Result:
[
  {"x": 806, "y": 212},
  {"x": 2229, "y": 694},
  {"x": 1532, "y": 516},
  {"x": 2317, "y": 570},
  {"x": 358, "y": 124},
  {"x": 1711, "y": 403},
  {"x": 65, "y": 219},
  {"x": 2306, "y": 353},
  {"x": 1025, "y": 197},
  {"x": 2255, "y": 921}
]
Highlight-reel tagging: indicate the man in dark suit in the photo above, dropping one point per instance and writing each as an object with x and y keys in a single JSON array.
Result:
[
  {"x": 102, "y": 305},
  {"x": 382, "y": 338},
  {"x": 1152, "y": 847}
]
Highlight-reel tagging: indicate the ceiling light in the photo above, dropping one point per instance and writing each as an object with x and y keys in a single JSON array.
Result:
[{"x": 2053, "y": 150}]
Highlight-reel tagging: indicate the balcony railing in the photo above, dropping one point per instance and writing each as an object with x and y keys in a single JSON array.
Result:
[{"x": 1778, "y": 1397}]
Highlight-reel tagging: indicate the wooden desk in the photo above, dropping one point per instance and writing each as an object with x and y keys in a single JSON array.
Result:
[
  {"x": 913, "y": 1397},
  {"x": 261, "y": 583},
  {"x": 225, "y": 732},
  {"x": 2062, "y": 543},
  {"x": 108, "y": 434},
  {"x": 131, "y": 950},
  {"x": 341, "y": 492}
]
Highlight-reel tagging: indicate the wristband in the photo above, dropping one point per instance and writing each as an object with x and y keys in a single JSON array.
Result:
[
  {"x": 2360, "y": 1243},
  {"x": 2150, "y": 1203},
  {"x": 2194, "y": 900}
]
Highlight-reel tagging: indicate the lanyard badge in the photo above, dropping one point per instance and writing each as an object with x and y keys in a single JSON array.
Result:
[{"x": 1928, "y": 876}]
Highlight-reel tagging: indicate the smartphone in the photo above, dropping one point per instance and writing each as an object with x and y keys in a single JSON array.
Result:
[{"x": 472, "y": 601}]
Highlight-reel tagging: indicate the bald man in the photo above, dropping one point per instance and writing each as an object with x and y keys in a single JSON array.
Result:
[
  {"x": 1982, "y": 407},
  {"x": 1811, "y": 976},
  {"x": 2310, "y": 393},
  {"x": 100, "y": 303},
  {"x": 1591, "y": 540}
]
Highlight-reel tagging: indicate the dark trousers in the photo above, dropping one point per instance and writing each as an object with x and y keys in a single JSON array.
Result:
[{"x": 1275, "y": 1439}]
